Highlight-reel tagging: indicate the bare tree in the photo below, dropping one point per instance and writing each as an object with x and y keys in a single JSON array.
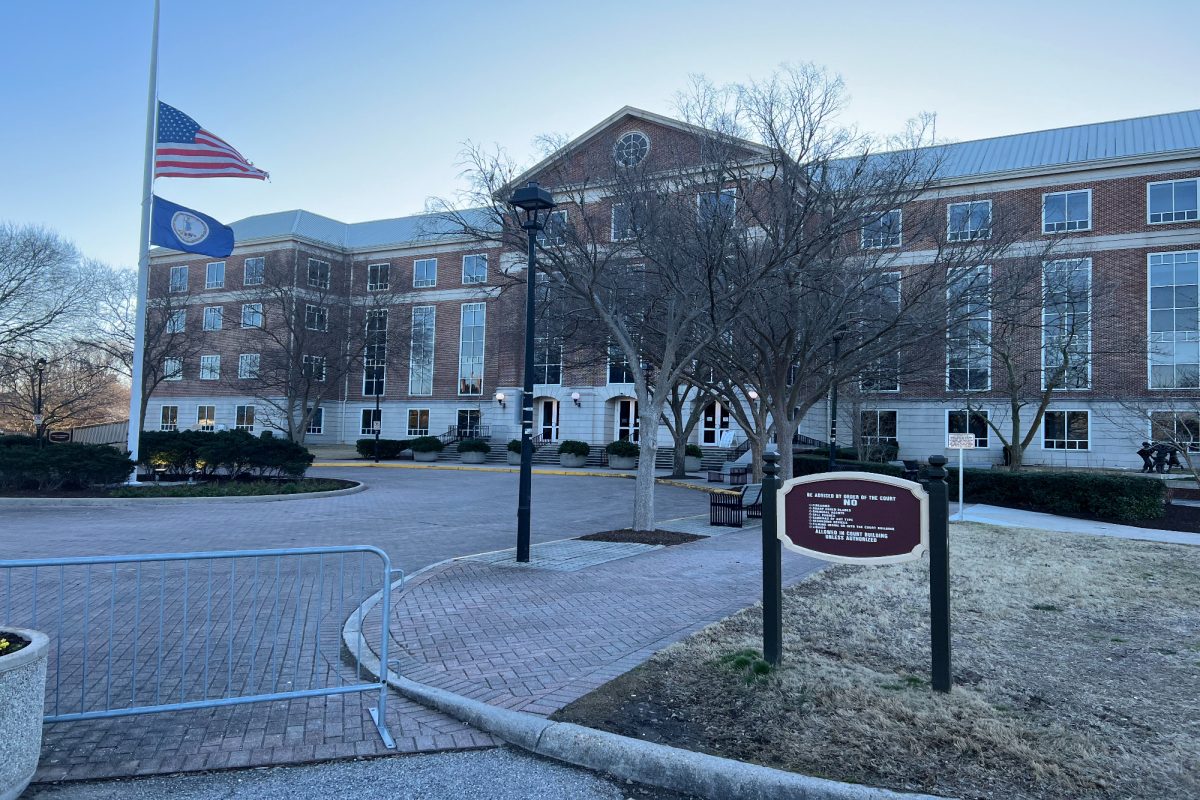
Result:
[
  {"x": 77, "y": 388},
  {"x": 684, "y": 408}
]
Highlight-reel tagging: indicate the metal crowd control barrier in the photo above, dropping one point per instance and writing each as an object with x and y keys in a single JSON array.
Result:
[{"x": 135, "y": 634}]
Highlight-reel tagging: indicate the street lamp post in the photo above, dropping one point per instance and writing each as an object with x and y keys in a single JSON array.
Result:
[
  {"x": 536, "y": 203},
  {"x": 377, "y": 420},
  {"x": 38, "y": 419},
  {"x": 837, "y": 346}
]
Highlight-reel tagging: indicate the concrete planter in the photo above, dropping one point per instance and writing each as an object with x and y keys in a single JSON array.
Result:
[
  {"x": 423, "y": 456},
  {"x": 22, "y": 695},
  {"x": 571, "y": 460},
  {"x": 514, "y": 459},
  {"x": 623, "y": 462},
  {"x": 691, "y": 464},
  {"x": 473, "y": 457}
]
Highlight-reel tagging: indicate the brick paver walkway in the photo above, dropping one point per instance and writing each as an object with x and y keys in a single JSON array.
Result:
[{"x": 536, "y": 639}]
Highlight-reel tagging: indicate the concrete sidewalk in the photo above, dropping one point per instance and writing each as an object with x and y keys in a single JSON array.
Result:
[{"x": 1017, "y": 518}]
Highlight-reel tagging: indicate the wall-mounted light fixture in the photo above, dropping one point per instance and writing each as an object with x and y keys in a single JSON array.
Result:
[
  {"x": 500, "y": 398},
  {"x": 753, "y": 395},
  {"x": 575, "y": 398}
]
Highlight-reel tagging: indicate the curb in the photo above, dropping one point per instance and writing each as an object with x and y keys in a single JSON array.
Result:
[
  {"x": 83, "y": 502},
  {"x": 623, "y": 757}
]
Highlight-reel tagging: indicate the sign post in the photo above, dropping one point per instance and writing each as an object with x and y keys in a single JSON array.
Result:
[
  {"x": 960, "y": 441},
  {"x": 939, "y": 572},
  {"x": 772, "y": 565}
]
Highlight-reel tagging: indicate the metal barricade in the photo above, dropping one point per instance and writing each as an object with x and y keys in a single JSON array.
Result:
[{"x": 136, "y": 634}]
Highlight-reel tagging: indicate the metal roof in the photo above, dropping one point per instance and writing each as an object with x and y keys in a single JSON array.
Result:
[{"x": 352, "y": 236}]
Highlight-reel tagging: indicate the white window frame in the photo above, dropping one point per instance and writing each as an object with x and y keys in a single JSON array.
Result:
[
  {"x": 474, "y": 280},
  {"x": 319, "y": 283},
  {"x": 412, "y": 365},
  {"x": 219, "y": 316},
  {"x": 262, "y": 271},
  {"x": 1066, "y": 412},
  {"x": 545, "y": 344},
  {"x": 732, "y": 192},
  {"x": 255, "y": 309},
  {"x": 1149, "y": 323},
  {"x": 892, "y": 277},
  {"x": 885, "y": 245},
  {"x": 213, "y": 368},
  {"x": 986, "y": 427},
  {"x": 989, "y": 356},
  {"x": 316, "y": 425},
  {"x": 170, "y": 374},
  {"x": 462, "y": 312},
  {"x": 418, "y": 431},
  {"x": 369, "y": 414},
  {"x": 211, "y": 421},
  {"x": 209, "y": 283},
  {"x": 373, "y": 282},
  {"x": 425, "y": 283},
  {"x": 1045, "y": 264},
  {"x": 1171, "y": 183},
  {"x": 612, "y": 233},
  {"x": 177, "y": 321},
  {"x": 1191, "y": 446},
  {"x": 553, "y": 241},
  {"x": 173, "y": 425},
  {"x": 311, "y": 311},
  {"x": 882, "y": 439},
  {"x": 970, "y": 235},
  {"x": 306, "y": 360},
  {"x": 244, "y": 418},
  {"x": 248, "y": 365},
  {"x": 1091, "y": 220},
  {"x": 174, "y": 286}
]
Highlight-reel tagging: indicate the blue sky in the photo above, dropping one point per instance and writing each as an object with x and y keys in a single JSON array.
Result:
[{"x": 359, "y": 108}]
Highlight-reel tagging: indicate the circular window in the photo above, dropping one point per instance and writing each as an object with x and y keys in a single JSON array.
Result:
[{"x": 631, "y": 149}]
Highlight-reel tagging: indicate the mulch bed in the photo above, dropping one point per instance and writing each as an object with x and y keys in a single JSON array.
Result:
[
  {"x": 1177, "y": 518},
  {"x": 641, "y": 537}
]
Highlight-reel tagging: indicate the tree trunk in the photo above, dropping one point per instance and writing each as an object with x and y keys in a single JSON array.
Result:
[
  {"x": 678, "y": 464},
  {"x": 643, "y": 490},
  {"x": 785, "y": 429}
]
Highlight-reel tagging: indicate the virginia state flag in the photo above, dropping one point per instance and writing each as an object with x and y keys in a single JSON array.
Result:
[{"x": 181, "y": 228}]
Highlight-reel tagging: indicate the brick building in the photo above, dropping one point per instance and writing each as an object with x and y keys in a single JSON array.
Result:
[{"x": 1125, "y": 191}]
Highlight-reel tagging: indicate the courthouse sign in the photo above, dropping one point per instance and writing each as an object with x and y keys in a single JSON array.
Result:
[{"x": 854, "y": 517}]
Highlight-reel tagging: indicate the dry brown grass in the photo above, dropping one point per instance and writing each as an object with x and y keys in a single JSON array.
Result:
[{"x": 1076, "y": 670}]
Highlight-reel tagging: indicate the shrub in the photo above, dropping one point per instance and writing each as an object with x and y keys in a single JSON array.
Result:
[
  {"x": 514, "y": 445},
  {"x": 574, "y": 447},
  {"x": 388, "y": 448},
  {"x": 623, "y": 449},
  {"x": 694, "y": 451},
  {"x": 234, "y": 452},
  {"x": 17, "y": 440},
  {"x": 811, "y": 465},
  {"x": 64, "y": 466},
  {"x": 474, "y": 446},
  {"x": 426, "y": 444}
]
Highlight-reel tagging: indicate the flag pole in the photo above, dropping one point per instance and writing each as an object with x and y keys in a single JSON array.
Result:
[{"x": 143, "y": 279}]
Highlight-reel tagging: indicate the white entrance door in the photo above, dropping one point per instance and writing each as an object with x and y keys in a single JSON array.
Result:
[
  {"x": 548, "y": 416},
  {"x": 714, "y": 423},
  {"x": 627, "y": 420}
]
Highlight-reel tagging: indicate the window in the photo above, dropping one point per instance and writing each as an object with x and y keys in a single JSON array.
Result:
[
  {"x": 618, "y": 365},
  {"x": 314, "y": 368},
  {"x": 316, "y": 423},
  {"x": 252, "y": 315},
  {"x": 1065, "y": 430},
  {"x": 253, "y": 270},
  {"x": 883, "y": 373},
  {"x": 210, "y": 368},
  {"x": 1177, "y": 427},
  {"x": 179, "y": 279},
  {"x": 717, "y": 206},
  {"x": 214, "y": 275},
  {"x": 470, "y": 350},
  {"x": 474, "y": 269},
  {"x": 631, "y": 149},
  {"x": 1174, "y": 332},
  {"x": 375, "y": 353},
  {"x": 418, "y": 422},
  {"x": 877, "y": 427},
  {"x": 547, "y": 360},
  {"x": 468, "y": 423},
  {"x": 628, "y": 422},
  {"x": 1172, "y": 201},
  {"x": 424, "y": 273},
  {"x": 318, "y": 273},
  {"x": 968, "y": 353},
  {"x": 881, "y": 231},
  {"x": 169, "y": 419},
  {"x": 956, "y": 422},
  {"x": 969, "y": 221},
  {"x": 177, "y": 321},
  {"x": 1067, "y": 323},
  {"x": 206, "y": 418},
  {"x": 622, "y": 223},
  {"x": 1067, "y": 211},
  {"x": 248, "y": 365},
  {"x": 555, "y": 232},
  {"x": 378, "y": 277},
  {"x": 371, "y": 417},
  {"x": 244, "y": 419},
  {"x": 172, "y": 369},
  {"x": 316, "y": 318},
  {"x": 214, "y": 317},
  {"x": 420, "y": 364}
]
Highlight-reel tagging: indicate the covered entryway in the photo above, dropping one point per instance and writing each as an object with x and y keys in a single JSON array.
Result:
[{"x": 714, "y": 422}]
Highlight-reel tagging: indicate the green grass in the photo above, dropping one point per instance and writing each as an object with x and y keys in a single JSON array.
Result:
[{"x": 249, "y": 489}]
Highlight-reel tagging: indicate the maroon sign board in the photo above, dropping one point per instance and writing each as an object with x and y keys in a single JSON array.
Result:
[
  {"x": 854, "y": 517},
  {"x": 59, "y": 436}
]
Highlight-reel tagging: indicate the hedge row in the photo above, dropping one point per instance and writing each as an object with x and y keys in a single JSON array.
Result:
[
  {"x": 1117, "y": 498},
  {"x": 61, "y": 466},
  {"x": 231, "y": 452},
  {"x": 388, "y": 448}
]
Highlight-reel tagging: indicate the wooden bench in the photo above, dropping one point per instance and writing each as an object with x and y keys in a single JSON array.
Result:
[{"x": 729, "y": 509}]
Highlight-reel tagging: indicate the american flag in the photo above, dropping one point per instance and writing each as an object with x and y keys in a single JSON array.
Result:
[{"x": 185, "y": 150}]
